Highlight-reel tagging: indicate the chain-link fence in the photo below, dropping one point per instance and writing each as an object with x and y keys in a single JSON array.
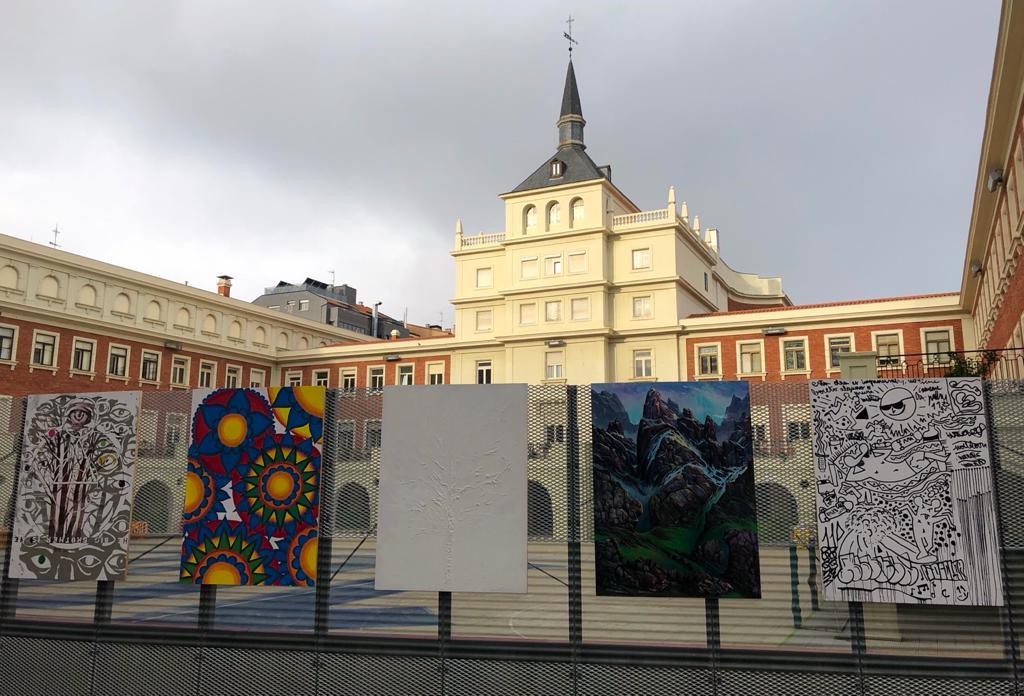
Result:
[{"x": 151, "y": 634}]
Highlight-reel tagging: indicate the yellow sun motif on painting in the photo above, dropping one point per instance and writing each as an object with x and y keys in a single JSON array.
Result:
[{"x": 231, "y": 429}]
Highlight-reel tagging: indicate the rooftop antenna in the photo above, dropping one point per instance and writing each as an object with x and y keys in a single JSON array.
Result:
[
  {"x": 332, "y": 278},
  {"x": 54, "y": 243},
  {"x": 568, "y": 36}
]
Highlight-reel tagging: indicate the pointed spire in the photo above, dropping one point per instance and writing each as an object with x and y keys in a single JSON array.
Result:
[
  {"x": 458, "y": 225},
  {"x": 672, "y": 196},
  {"x": 570, "y": 120}
]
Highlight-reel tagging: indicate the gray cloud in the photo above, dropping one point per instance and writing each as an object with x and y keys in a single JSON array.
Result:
[{"x": 282, "y": 140}]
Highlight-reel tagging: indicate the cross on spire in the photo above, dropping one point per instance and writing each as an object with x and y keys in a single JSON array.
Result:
[
  {"x": 568, "y": 35},
  {"x": 54, "y": 243}
]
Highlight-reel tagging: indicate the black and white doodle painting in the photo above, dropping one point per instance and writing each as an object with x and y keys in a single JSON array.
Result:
[{"x": 906, "y": 510}]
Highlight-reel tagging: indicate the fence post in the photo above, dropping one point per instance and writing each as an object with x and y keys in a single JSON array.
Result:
[
  {"x": 444, "y": 634},
  {"x": 328, "y": 456},
  {"x": 9, "y": 585},
  {"x": 858, "y": 642},
  {"x": 712, "y": 626},
  {"x": 574, "y": 512}
]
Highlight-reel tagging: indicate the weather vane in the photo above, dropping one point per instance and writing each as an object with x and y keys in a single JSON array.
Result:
[
  {"x": 54, "y": 243},
  {"x": 568, "y": 36}
]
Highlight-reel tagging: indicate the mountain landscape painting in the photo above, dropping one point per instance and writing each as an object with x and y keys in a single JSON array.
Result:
[{"x": 674, "y": 509}]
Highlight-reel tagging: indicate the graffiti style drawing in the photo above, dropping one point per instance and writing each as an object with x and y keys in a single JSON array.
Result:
[
  {"x": 74, "y": 504},
  {"x": 905, "y": 497},
  {"x": 252, "y": 489},
  {"x": 674, "y": 507}
]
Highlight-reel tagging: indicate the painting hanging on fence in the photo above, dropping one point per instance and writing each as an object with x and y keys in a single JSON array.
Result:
[
  {"x": 906, "y": 512},
  {"x": 453, "y": 489},
  {"x": 74, "y": 505},
  {"x": 252, "y": 488},
  {"x": 674, "y": 508}
]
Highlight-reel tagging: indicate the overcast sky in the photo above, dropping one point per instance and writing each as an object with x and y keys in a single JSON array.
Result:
[{"x": 832, "y": 143}]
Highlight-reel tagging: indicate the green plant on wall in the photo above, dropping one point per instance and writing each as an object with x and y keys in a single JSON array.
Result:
[{"x": 978, "y": 365}]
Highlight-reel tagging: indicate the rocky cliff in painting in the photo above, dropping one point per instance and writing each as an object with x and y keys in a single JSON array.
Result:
[{"x": 674, "y": 507}]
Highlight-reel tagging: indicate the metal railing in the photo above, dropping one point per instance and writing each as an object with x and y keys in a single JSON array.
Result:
[{"x": 997, "y": 363}]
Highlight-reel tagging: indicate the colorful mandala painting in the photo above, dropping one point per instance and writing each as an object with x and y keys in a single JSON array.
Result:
[{"x": 252, "y": 489}]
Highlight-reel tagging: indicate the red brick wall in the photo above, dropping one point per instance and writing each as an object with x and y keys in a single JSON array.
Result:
[
  {"x": 390, "y": 370},
  {"x": 1010, "y": 311},
  {"x": 25, "y": 379},
  {"x": 816, "y": 346}
]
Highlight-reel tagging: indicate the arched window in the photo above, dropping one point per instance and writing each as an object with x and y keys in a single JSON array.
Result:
[
  {"x": 9, "y": 277},
  {"x": 122, "y": 304},
  {"x": 353, "y": 511},
  {"x": 576, "y": 211},
  {"x": 153, "y": 310},
  {"x": 210, "y": 324},
  {"x": 282, "y": 340},
  {"x": 260, "y": 335},
  {"x": 235, "y": 330},
  {"x": 87, "y": 296},
  {"x": 48, "y": 286},
  {"x": 184, "y": 318},
  {"x": 153, "y": 506},
  {"x": 540, "y": 521},
  {"x": 529, "y": 218},
  {"x": 554, "y": 214},
  {"x": 303, "y": 343},
  {"x": 777, "y": 513}
]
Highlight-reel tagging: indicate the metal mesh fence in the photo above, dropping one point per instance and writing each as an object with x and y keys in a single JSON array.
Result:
[{"x": 149, "y": 631}]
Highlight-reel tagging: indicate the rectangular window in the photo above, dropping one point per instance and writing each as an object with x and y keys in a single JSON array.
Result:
[
  {"x": 207, "y": 374},
  {"x": 553, "y": 311},
  {"x": 372, "y": 434},
  {"x": 705, "y": 282},
  {"x": 528, "y": 268},
  {"x": 578, "y": 262},
  {"x": 174, "y": 430},
  {"x": 293, "y": 379},
  {"x": 179, "y": 371},
  {"x": 321, "y": 378},
  {"x": 795, "y": 355},
  {"x": 484, "y": 277},
  {"x": 483, "y": 320},
  {"x": 554, "y": 433},
  {"x": 6, "y": 343},
  {"x": 348, "y": 379},
  {"x": 579, "y": 307},
  {"x": 528, "y": 313},
  {"x": 117, "y": 361},
  {"x": 257, "y": 378},
  {"x": 552, "y": 265},
  {"x": 303, "y": 305},
  {"x": 643, "y": 363},
  {"x": 483, "y": 372},
  {"x": 837, "y": 345},
  {"x": 750, "y": 358},
  {"x": 707, "y": 360},
  {"x": 376, "y": 378},
  {"x": 345, "y": 440},
  {"x": 641, "y": 259},
  {"x": 404, "y": 374},
  {"x": 937, "y": 345},
  {"x": 45, "y": 349},
  {"x": 435, "y": 373},
  {"x": 81, "y": 356},
  {"x": 233, "y": 377},
  {"x": 888, "y": 348},
  {"x": 798, "y": 430},
  {"x": 150, "y": 371},
  {"x": 553, "y": 365},
  {"x": 642, "y": 307}
]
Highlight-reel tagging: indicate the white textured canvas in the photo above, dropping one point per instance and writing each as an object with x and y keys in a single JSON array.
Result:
[
  {"x": 906, "y": 510},
  {"x": 453, "y": 500}
]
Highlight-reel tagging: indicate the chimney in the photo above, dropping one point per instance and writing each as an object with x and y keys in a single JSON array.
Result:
[
  {"x": 224, "y": 285},
  {"x": 394, "y": 334}
]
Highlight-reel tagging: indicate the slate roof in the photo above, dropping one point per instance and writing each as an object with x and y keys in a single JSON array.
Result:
[{"x": 578, "y": 167}]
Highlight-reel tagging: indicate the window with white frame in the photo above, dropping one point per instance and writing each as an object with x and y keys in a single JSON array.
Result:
[
  {"x": 798, "y": 430},
  {"x": 348, "y": 379},
  {"x": 751, "y": 361},
  {"x": 321, "y": 378},
  {"x": 557, "y": 168},
  {"x": 553, "y": 310},
  {"x": 293, "y": 378},
  {"x": 483, "y": 371},
  {"x": 554, "y": 214},
  {"x": 641, "y": 259},
  {"x": 207, "y": 374},
  {"x": 82, "y": 355},
  {"x": 483, "y": 320},
  {"x": 577, "y": 262},
  {"x": 794, "y": 355},
  {"x": 937, "y": 344},
  {"x": 117, "y": 361},
  {"x": 375, "y": 378},
  {"x": 579, "y": 308},
  {"x": 887, "y": 345},
  {"x": 531, "y": 216},
  {"x": 372, "y": 434},
  {"x": 150, "y": 366},
  {"x": 484, "y": 277},
  {"x": 179, "y": 371},
  {"x": 837, "y": 345},
  {"x": 404, "y": 374},
  {"x": 257, "y": 378},
  {"x": 643, "y": 363},
  {"x": 303, "y": 305},
  {"x": 345, "y": 440},
  {"x": 233, "y": 377},
  {"x": 7, "y": 334},
  {"x": 174, "y": 431},
  {"x": 642, "y": 307},
  {"x": 577, "y": 210},
  {"x": 44, "y": 349},
  {"x": 528, "y": 313},
  {"x": 553, "y": 365},
  {"x": 707, "y": 360},
  {"x": 553, "y": 264},
  {"x": 528, "y": 268},
  {"x": 435, "y": 373}
]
